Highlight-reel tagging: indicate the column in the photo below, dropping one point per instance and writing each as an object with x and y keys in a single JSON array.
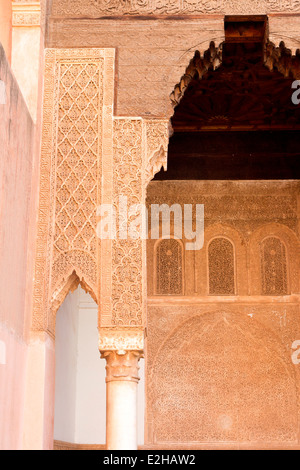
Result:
[{"x": 121, "y": 398}]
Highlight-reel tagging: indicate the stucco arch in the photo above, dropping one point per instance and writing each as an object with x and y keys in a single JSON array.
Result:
[
  {"x": 291, "y": 242},
  {"x": 198, "y": 66},
  {"x": 181, "y": 261},
  {"x": 240, "y": 257},
  {"x": 66, "y": 285},
  {"x": 278, "y": 58}
]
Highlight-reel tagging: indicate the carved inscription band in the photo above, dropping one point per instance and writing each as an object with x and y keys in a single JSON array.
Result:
[{"x": 98, "y": 8}]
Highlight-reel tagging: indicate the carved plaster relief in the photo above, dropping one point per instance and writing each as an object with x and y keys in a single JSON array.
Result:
[
  {"x": 96, "y": 8},
  {"x": 140, "y": 150},
  {"x": 90, "y": 158},
  {"x": 77, "y": 86},
  {"x": 221, "y": 377}
]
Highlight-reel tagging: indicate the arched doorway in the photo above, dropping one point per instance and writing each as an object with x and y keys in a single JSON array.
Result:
[
  {"x": 80, "y": 404},
  {"x": 80, "y": 388}
]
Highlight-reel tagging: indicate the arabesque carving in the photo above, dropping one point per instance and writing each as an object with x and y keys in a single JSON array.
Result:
[
  {"x": 273, "y": 267},
  {"x": 90, "y": 158},
  {"x": 157, "y": 135},
  {"x": 169, "y": 267},
  {"x": 127, "y": 277},
  {"x": 140, "y": 150},
  {"x": 221, "y": 267},
  {"x": 26, "y": 14},
  {"x": 275, "y": 57},
  {"x": 245, "y": 364}
]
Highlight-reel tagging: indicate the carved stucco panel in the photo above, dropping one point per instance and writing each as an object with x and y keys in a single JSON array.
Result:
[
  {"x": 76, "y": 110},
  {"x": 231, "y": 354},
  {"x": 140, "y": 150},
  {"x": 89, "y": 157}
]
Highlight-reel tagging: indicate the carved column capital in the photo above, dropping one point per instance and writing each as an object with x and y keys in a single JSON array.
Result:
[{"x": 122, "y": 365}]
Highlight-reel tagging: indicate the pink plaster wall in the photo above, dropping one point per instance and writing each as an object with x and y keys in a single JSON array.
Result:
[
  {"x": 17, "y": 155},
  {"x": 6, "y": 26},
  {"x": 12, "y": 380}
]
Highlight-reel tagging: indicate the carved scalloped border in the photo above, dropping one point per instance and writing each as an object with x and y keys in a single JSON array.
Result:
[{"x": 281, "y": 58}]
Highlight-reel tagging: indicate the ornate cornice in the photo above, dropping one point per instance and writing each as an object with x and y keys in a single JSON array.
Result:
[
  {"x": 26, "y": 14},
  {"x": 121, "y": 339}
]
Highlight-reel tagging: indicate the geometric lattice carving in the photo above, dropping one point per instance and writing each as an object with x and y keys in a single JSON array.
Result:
[
  {"x": 78, "y": 169},
  {"x": 77, "y": 158},
  {"x": 89, "y": 158},
  {"x": 273, "y": 267},
  {"x": 77, "y": 107},
  {"x": 169, "y": 267},
  {"x": 127, "y": 255},
  {"x": 221, "y": 267}
]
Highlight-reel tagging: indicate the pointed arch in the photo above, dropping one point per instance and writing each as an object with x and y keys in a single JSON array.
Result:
[
  {"x": 169, "y": 267},
  {"x": 273, "y": 260},
  {"x": 227, "y": 232},
  {"x": 221, "y": 266},
  {"x": 291, "y": 243},
  {"x": 67, "y": 285},
  {"x": 278, "y": 58}
]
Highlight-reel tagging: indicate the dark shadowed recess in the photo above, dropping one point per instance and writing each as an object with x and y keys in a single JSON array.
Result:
[{"x": 237, "y": 122}]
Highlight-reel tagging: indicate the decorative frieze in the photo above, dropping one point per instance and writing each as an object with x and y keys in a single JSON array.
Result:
[
  {"x": 26, "y": 14},
  {"x": 98, "y": 8},
  {"x": 121, "y": 339}
]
